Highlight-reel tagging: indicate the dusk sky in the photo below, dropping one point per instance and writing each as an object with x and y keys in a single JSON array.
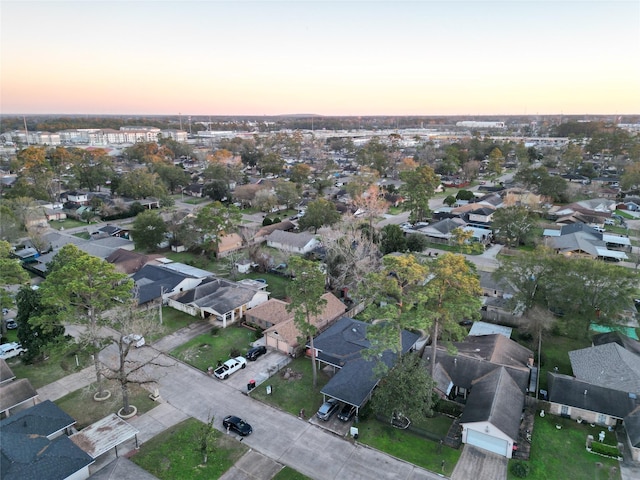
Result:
[{"x": 320, "y": 57}]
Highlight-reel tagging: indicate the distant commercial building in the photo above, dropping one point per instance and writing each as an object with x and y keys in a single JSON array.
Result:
[{"x": 476, "y": 124}]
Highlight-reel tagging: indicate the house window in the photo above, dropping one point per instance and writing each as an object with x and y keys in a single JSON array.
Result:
[
  {"x": 602, "y": 418},
  {"x": 564, "y": 411}
]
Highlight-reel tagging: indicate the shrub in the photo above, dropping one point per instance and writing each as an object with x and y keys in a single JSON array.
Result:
[
  {"x": 520, "y": 469},
  {"x": 235, "y": 353},
  {"x": 266, "y": 222},
  {"x": 604, "y": 449},
  {"x": 215, "y": 331},
  {"x": 448, "y": 408},
  {"x": 276, "y": 220}
]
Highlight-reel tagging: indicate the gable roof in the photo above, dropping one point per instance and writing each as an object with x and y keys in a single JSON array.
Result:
[
  {"x": 608, "y": 365},
  {"x": 151, "y": 280},
  {"x": 489, "y": 282},
  {"x": 273, "y": 311},
  {"x": 294, "y": 240},
  {"x": 495, "y": 348},
  {"x": 287, "y": 330},
  {"x": 15, "y": 393},
  {"x": 126, "y": 261},
  {"x": 27, "y": 453},
  {"x": 495, "y": 398},
  {"x": 566, "y": 390},
  {"x": 341, "y": 345},
  {"x": 6, "y": 373},
  {"x": 44, "y": 419}
]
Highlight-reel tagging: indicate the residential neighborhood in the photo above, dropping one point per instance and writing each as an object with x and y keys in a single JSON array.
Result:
[{"x": 359, "y": 303}]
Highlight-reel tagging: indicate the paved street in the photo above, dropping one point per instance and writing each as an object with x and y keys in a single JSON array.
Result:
[{"x": 278, "y": 438}]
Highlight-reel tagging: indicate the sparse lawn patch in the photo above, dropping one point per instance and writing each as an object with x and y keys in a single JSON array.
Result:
[
  {"x": 562, "y": 453},
  {"x": 83, "y": 235},
  {"x": 206, "y": 350},
  {"x": 174, "y": 455},
  {"x": 408, "y": 446},
  {"x": 288, "y": 473},
  {"x": 81, "y": 406},
  {"x": 296, "y": 392},
  {"x": 173, "y": 320}
]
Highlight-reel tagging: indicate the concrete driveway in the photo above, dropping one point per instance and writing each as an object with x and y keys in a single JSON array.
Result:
[{"x": 478, "y": 464}]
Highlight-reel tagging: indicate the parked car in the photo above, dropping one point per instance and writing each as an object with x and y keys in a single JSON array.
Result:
[
  {"x": 238, "y": 425},
  {"x": 229, "y": 367},
  {"x": 255, "y": 352},
  {"x": 11, "y": 324},
  {"x": 346, "y": 412},
  {"x": 327, "y": 409},
  {"x": 137, "y": 340},
  {"x": 10, "y": 350}
]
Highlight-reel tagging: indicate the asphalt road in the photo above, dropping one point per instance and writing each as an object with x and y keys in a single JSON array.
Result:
[{"x": 286, "y": 439}]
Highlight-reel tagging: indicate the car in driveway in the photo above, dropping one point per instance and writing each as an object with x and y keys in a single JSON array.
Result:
[
  {"x": 231, "y": 422},
  {"x": 255, "y": 352},
  {"x": 230, "y": 367},
  {"x": 11, "y": 324},
  {"x": 327, "y": 409},
  {"x": 346, "y": 413}
]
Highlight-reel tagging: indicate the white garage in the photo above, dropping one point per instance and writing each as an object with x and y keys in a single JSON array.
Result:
[{"x": 488, "y": 442}]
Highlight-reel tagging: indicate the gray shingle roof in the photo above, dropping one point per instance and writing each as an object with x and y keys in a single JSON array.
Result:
[
  {"x": 150, "y": 279},
  {"x": 217, "y": 294},
  {"x": 566, "y": 390},
  {"x": 608, "y": 365},
  {"x": 495, "y": 398},
  {"x": 294, "y": 240}
]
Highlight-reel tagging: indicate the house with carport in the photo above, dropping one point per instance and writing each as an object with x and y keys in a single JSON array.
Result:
[{"x": 339, "y": 350}]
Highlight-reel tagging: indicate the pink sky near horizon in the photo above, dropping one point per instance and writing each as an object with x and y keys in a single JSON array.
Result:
[{"x": 320, "y": 57}]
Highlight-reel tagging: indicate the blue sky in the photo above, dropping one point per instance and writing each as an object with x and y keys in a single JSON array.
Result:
[{"x": 331, "y": 58}]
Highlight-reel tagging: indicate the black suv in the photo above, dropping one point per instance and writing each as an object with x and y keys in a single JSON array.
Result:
[
  {"x": 255, "y": 352},
  {"x": 237, "y": 424},
  {"x": 346, "y": 413}
]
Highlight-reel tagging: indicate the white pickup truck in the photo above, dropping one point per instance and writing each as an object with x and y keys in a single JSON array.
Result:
[{"x": 229, "y": 367}]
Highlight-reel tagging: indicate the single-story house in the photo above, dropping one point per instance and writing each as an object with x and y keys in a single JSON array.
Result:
[
  {"x": 16, "y": 395},
  {"x": 282, "y": 333},
  {"x": 340, "y": 347},
  {"x": 609, "y": 365},
  {"x": 580, "y": 400},
  {"x": 222, "y": 299},
  {"x": 155, "y": 281},
  {"x": 35, "y": 445},
  {"x": 490, "y": 375},
  {"x": 292, "y": 242}
]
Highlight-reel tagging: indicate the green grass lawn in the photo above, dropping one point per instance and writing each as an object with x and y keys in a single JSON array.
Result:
[
  {"x": 173, "y": 320},
  {"x": 57, "y": 365},
  {"x": 408, "y": 446},
  {"x": 174, "y": 455},
  {"x": 81, "y": 405},
  {"x": 276, "y": 285},
  {"x": 555, "y": 353},
  {"x": 66, "y": 224},
  {"x": 561, "y": 453},
  {"x": 206, "y": 350},
  {"x": 296, "y": 392}
]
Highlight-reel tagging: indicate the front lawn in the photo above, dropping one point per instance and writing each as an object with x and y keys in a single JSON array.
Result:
[
  {"x": 81, "y": 405},
  {"x": 295, "y": 392},
  {"x": 207, "y": 350},
  {"x": 561, "y": 453},
  {"x": 67, "y": 224},
  {"x": 408, "y": 446},
  {"x": 174, "y": 454},
  {"x": 57, "y": 365},
  {"x": 288, "y": 473}
]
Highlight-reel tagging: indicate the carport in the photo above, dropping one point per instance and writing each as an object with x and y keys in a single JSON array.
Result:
[{"x": 103, "y": 435}]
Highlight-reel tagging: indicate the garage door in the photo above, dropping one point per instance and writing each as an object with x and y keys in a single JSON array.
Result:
[{"x": 487, "y": 442}]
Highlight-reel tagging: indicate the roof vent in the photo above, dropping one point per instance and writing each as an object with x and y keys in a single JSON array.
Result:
[{"x": 585, "y": 392}]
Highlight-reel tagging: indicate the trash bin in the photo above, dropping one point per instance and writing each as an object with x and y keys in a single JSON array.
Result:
[{"x": 251, "y": 385}]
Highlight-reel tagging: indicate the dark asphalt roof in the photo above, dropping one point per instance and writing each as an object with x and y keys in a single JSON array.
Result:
[
  {"x": 566, "y": 390},
  {"x": 151, "y": 279}
]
